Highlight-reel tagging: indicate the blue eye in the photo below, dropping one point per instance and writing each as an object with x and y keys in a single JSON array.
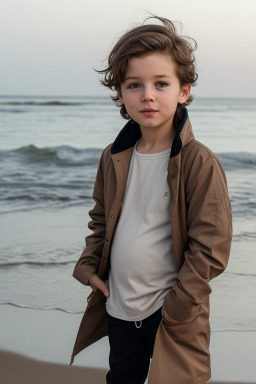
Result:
[
  {"x": 161, "y": 84},
  {"x": 134, "y": 86}
]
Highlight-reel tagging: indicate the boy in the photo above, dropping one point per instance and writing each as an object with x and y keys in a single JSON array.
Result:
[{"x": 161, "y": 223}]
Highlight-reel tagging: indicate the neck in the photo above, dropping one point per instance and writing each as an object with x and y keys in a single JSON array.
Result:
[{"x": 154, "y": 140}]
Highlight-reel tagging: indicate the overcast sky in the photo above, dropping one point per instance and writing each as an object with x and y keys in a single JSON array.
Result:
[{"x": 49, "y": 47}]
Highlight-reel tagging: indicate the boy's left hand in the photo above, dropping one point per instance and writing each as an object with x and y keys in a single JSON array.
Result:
[{"x": 168, "y": 318}]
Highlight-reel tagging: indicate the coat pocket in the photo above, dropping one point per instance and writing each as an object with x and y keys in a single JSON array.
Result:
[
  {"x": 171, "y": 322},
  {"x": 181, "y": 352}
]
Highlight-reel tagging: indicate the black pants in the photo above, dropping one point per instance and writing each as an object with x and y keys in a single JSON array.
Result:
[{"x": 131, "y": 346}]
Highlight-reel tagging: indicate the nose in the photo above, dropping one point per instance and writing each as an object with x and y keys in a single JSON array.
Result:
[{"x": 148, "y": 95}]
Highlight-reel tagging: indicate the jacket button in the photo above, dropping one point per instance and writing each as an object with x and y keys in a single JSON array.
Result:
[
  {"x": 112, "y": 216},
  {"x": 117, "y": 159},
  {"x": 106, "y": 240}
]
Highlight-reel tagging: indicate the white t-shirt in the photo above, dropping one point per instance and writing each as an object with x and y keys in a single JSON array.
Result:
[{"x": 142, "y": 262}]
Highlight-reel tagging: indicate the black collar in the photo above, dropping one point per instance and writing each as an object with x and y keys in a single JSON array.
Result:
[{"x": 131, "y": 133}]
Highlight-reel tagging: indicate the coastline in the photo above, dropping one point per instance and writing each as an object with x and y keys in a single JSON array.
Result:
[
  {"x": 48, "y": 336},
  {"x": 30, "y": 371},
  {"x": 18, "y": 369}
]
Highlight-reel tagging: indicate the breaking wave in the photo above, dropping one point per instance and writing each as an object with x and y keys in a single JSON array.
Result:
[{"x": 65, "y": 155}]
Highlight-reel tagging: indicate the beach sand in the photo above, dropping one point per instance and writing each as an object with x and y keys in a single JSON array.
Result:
[
  {"x": 17, "y": 369},
  {"x": 48, "y": 336}
]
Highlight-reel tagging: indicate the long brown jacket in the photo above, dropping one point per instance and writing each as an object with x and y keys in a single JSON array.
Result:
[{"x": 201, "y": 226}]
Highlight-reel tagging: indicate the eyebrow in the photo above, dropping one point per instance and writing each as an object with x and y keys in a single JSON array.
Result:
[{"x": 138, "y": 78}]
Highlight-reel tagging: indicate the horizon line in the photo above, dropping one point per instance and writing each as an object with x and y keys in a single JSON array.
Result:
[{"x": 109, "y": 96}]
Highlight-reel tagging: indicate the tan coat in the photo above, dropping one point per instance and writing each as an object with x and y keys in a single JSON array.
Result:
[{"x": 201, "y": 227}]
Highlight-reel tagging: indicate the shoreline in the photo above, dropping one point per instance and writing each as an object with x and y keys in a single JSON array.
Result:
[
  {"x": 48, "y": 336},
  {"x": 18, "y": 369}
]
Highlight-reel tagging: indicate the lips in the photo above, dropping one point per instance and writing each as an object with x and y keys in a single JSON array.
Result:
[{"x": 148, "y": 110}]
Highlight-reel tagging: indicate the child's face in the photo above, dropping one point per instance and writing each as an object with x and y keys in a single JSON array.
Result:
[{"x": 151, "y": 90}]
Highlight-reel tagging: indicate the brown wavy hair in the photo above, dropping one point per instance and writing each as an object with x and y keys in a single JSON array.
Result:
[{"x": 148, "y": 38}]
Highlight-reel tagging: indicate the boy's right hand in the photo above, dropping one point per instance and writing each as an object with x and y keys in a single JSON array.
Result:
[{"x": 96, "y": 283}]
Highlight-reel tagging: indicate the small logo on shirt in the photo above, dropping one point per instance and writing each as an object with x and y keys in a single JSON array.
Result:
[{"x": 166, "y": 194}]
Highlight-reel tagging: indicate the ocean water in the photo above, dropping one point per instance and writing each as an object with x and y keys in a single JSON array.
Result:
[{"x": 49, "y": 152}]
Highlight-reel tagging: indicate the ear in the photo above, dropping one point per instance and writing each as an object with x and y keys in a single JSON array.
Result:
[
  {"x": 185, "y": 93},
  {"x": 121, "y": 100}
]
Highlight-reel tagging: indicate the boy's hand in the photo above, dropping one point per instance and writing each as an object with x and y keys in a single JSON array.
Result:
[
  {"x": 96, "y": 283},
  {"x": 169, "y": 318}
]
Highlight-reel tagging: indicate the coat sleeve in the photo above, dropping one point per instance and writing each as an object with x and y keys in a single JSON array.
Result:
[
  {"x": 209, "y": 227},
  {"x": 89, "y": 261}
]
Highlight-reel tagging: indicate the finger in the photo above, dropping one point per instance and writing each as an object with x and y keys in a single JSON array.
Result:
[
  {"x": 93, "y": 281},
  {"x": 97, "y": 283},
  {"x": 106, "y": 291},
  {"x": 103, "y": 287}
]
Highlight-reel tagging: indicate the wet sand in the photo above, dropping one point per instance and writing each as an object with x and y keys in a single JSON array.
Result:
[{"x": 18, "y": 369}]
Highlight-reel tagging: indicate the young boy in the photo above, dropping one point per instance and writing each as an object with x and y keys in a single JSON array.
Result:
[{"x": 161, "y": 223}]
